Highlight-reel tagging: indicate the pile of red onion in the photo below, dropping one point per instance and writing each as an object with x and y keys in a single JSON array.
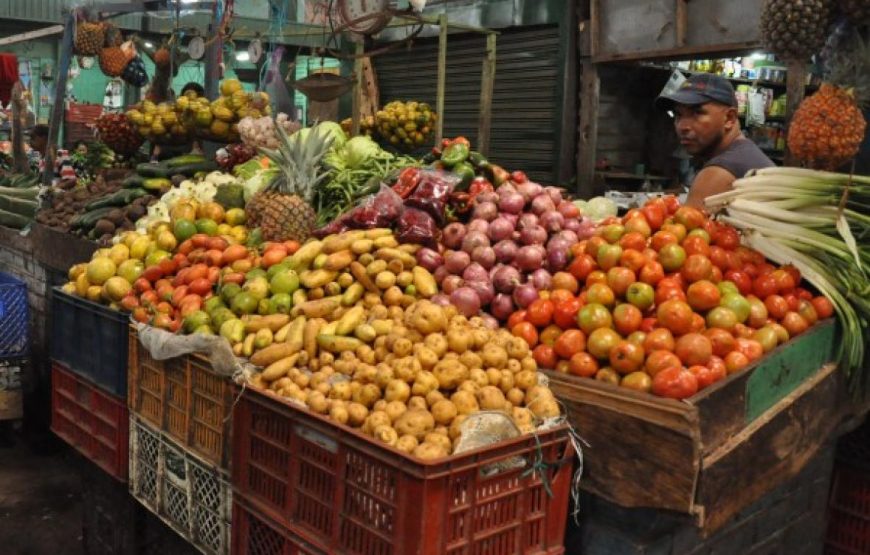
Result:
[{"x": 516, "y": 239}]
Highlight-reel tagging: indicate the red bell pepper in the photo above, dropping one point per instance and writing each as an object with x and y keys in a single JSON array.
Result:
[{"x": 407, "y": 181}]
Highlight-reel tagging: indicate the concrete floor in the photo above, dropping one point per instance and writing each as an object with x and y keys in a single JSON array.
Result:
[{"x": 40, "y": 496}]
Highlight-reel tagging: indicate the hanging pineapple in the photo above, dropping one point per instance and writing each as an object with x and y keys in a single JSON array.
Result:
[
  {"x": 161, "y": 56},
  {"x": 795, "y": 29},
  {"x": 282, "y": 210},
  {"x": 828, "y": 127},
  {"x": 89, "y": 38}
]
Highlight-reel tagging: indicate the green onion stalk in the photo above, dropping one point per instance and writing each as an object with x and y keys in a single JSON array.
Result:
[{"x": 818, "y": 221}]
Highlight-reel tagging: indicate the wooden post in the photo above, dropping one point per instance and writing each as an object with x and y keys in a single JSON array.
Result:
[
  {"x": 211, "y": 58},
  {"x": 796, "y": 80},
  {"x": 19, "y": 159},
  {"x": 57, "y": 110},
  {"x": 442, "y": 78},
  {"x": 358, "y": 79},
  {"x": 587, "y": 146},
  {"x": 487, "y": 85},
  {"x": 682, "y": 13},
  {"x": 594, "y": 27}
]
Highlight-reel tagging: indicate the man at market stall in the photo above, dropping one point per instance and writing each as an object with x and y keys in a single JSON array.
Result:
[{"x": 706, "y": 121}]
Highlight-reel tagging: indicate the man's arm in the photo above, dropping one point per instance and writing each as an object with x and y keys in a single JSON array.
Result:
[{"x": 712, "y": 180}]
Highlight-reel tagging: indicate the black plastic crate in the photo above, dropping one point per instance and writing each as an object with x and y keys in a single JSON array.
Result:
[
  {"x": 14, "y": 317},
  {"x": 91, "y": 340}
]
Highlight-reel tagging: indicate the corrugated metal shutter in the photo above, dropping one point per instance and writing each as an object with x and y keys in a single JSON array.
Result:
[{"x": 525, "y": 102}]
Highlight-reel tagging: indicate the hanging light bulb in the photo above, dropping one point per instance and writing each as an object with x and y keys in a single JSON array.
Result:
[{"x": 418, "y": 5}]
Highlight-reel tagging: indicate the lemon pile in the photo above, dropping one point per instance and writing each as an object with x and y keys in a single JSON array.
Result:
[
  {"x": 406, "y": 125},
  {"x": 193, "y": 115}
]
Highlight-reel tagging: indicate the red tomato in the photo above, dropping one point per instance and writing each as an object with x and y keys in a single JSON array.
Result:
[
  {"x": 527, "y": 332},
  {"x": 703, "y": 295},
  {"x": 626, "y": 357},
  {"x": 633, "y": 260},
  {"x": 654, "y": 214},
  {"x": 675, "y": 382},
  {"x": 749, "y": 347},
  {"x": 549, "y": 335},
  {"x": 627, "y": 318},
  {"x": 565, "y": 313},
  {"x": 201, "y": 286},
  {"x": 719, "y": 258},
  {"x": 660, "y": 360},
  {"x": 545, "y": 356},
  {"x": 648, "y": 324},
  {"x": 693, "y": 349},
  {"x": 675, "y": 315},
  {"x": 652, "y": 273},
  {"x": 583, "y": 364},
  {"x": 721, "y": 341},
  {"x": 540, "y": 312},
  {"x": 662, "y": 238},
  {"x": 633, "y": 240},
  {"x": 696, "y": 245},
  {"x": 776, "y": 306},
  {"x": 792, "y": 300},
  {"x": 727, "y": 238},
  {"x": 736, "y": 361},
  {"x": 659, "y": 339},
  {"x": 824, "y": 307},
  {"x": 666, "y": 293},
  {"x": 784, "y": 280},
  {"x": 741, "y": 280},
  {"x": 596, "y": 276},
  {"x": 707, "y": 375},
  {"x": 516, "y": 318},
  {"x": 764, "y": 286},
  {"x": 569, "y": 343},
  {"x": 696, "y": 268},
  {"x": 582, "y": 266},
  {"x": 672, "y": 203},
  {"x": 794, "y": 323},
  {"x": 689, "y": 217},
  {"x": 619, "y": 278}
]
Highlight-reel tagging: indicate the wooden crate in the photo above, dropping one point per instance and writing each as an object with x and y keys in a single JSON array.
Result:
[{"x": 714, "y": 453}]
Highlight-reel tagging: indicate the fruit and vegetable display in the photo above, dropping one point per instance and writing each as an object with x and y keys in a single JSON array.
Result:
[
  {"x": 260, "y": 132},
  {"x": 816, "y": 221},
  {"x": 191, "y": 115},
  {"x": 408, "y": 376},
  {"x": 96, "y": 210},
  {"x": 406, "y": 125},
  {"x": 665, "y": 300},
  {"x": 18, "y": 200},
  {"x": 117, "y": 132}
]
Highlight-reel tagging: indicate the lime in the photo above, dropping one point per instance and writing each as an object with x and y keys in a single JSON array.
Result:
[
  {"x": 209, "y": 227},
  {"x": 280, "y": 304},
  {"x": 284, "y": 282},
  {"x": 245, "y": 303},
  {"x": 229, "y": 291},
  {"x": 213, "y": 303},
  {"x": 195, "y": 320}
]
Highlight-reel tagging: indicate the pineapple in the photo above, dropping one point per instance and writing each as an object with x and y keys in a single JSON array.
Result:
[
  {"x": 795, "y": 29},
  {"x": 858, "y": 11},
  {"x": 282, "y": 210},
  {"x": 113, "y": 60},
  {"x": 89, "y": 38},
  {"x": 828, "y": 127}
]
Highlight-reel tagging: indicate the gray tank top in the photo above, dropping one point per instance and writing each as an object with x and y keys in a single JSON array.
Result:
[{"x": 743, "y": 155}]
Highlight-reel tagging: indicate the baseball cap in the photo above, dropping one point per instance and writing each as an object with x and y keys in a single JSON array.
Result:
[{"x": 700, "y": 89}]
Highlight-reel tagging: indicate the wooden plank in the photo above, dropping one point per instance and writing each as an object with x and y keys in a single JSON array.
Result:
[
  {"x": 58, "y": 250},
  {"x": 796, "y": 78},
  {"x": 19, "y": 110},
  {"x": 772, "y": 450},
  {"x": 57, "y": 110},
  {"x": 356, "y": 101},
  {"x": 587, "y": 145},
  {"x": 681, "y": 52},
  {"x": 30, "y": 35},
  {"x": 594, "y": 27},
  {"x": 642, "y": 450},
  {"x": 487, "y": 84},
  {"x": 441, "y": 89},
  {"x": 682, "y": 16}
]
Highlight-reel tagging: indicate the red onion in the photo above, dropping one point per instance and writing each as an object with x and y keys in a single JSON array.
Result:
[
  {"x": 505, "y": 251},
  {"x": 512, "y": 203},
  {"x": 485, "y": 256},
  {"x": 441, "y": 299},
  {"x": 541, "y": 279},
  {"x": 568, "y": 209},
  {"x": 453, "y": 235},
  {"x": 490, "y": 322},
  {"x": 487, "y": 196},
  {"x": 527, "y": 220},
  {"x": 481, "y": 226},
  {"x": 512, "y": 218},
  {"x": 554, "y": 193},
  {"x": 572, "y": 224},
  {"x": 569, "y": 236},
  {"x": 552, "y": 221},
  {"x": 525, "y": 294},
  {"x": 506, "y": 279},
  {"x": 451, "y": 284},
  {"x": 529, "y": 258},
  {"x": 559, "y": 243},
  {"x": 474, "y": 239},
  {"x": 586, "y": 229},
  {"x": 533, "y": 236},
  {"x": 429, "y": 259},
  {"x": 500, "y": 228},
  {"x": 485, "y": 211},
  {"x": 505, "y": 188},
  {"x": 456, "y": 261},
  {"x": 542, "y": 203},
  {"x": 529, "y": 190},
  {"x": 440, "y": 273},
  {"x": 557, "y": 259},
  {"x": 502, "y": 306},
  {"x": 466, "y": 300},
  {"x": 475, "y": 272},
  {"x": 484, "y": 289}
]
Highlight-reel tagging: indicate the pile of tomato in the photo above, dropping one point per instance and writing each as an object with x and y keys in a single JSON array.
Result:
[{"x": 665, "y": 300}]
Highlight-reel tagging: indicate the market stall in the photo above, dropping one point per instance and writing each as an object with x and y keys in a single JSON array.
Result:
[{"x": 369, "y": 337}]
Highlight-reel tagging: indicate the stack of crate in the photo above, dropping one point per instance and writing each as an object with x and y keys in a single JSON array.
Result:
[{"x": 14, "y": 344}]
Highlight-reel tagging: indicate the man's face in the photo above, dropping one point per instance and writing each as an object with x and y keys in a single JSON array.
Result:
[{"x": 701, "y": 128}]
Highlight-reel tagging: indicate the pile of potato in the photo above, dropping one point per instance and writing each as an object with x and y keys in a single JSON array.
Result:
[{"x": 406, "y": 374}]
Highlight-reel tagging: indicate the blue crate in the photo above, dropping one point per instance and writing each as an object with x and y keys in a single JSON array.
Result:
[{"x": 14, "y": 317}]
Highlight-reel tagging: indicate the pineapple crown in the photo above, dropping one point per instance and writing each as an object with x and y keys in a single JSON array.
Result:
[
  {"x": 849, "y": 68},
  {"x": 298, "y": 157}
]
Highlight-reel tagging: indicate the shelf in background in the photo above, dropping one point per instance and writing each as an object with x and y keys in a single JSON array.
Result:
[{"x": 741, "y": 80}]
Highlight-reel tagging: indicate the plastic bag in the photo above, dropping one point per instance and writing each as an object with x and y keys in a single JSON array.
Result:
[
  {"x": 431, "y": 194},
  {"x": 162, "y": 345},
  {"x": 416, "y": 226},
  {"x": 380, "y": 210},
  {"x": 273, "y": 84}
]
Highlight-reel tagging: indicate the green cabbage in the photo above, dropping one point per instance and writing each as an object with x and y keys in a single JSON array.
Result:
[
  {"x": 335, "y": 130},
  {"x": 597, "y": 208},
  {"x": 258, "y": 181}
]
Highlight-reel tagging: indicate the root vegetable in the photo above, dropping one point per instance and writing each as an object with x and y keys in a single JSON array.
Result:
[
  {"x": 466, "y": 300},
  {"x": 415, "y": 422},
  {"x": 453, "y": 234}
]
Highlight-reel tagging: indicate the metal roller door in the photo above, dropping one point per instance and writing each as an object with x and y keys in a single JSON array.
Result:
[{"x": 526, "y": 95}]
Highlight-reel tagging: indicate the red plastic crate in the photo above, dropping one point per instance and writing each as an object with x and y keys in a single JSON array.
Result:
[
  {"x": 96, "y": 423},
  {"x": 184, "y": 397},
  {"x": 335, "y": 489},
  {"x": 254, "y": 534},
  {"x": 849, "y": 512},
  {"x": 83, "y": 113}
]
